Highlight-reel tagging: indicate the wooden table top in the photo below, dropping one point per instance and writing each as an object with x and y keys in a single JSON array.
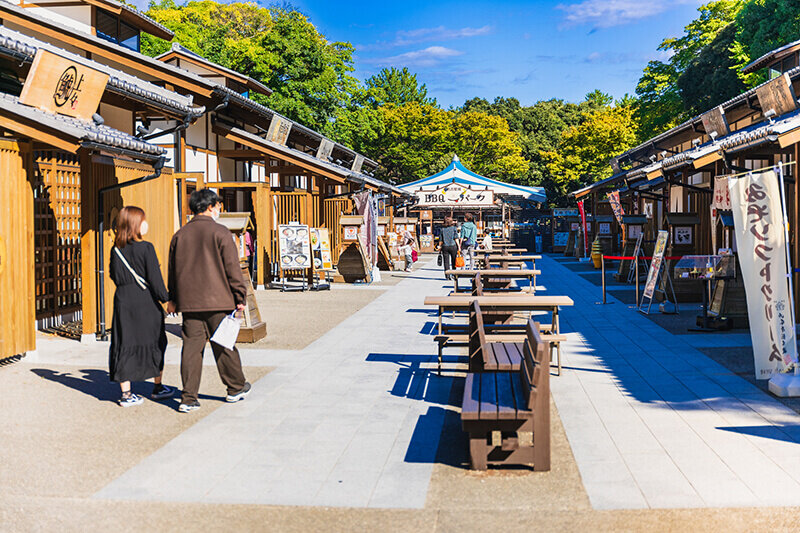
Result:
[
  {"x": 514, "y": 257},
  {"x": 505, "y": 250},
  {"x": 506, "y": 300},
  {"x": 492, "y": 272}
]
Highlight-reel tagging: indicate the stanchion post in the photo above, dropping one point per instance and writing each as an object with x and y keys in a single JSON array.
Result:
[
  {"x": 603, "y": 275},
  {"x": 636, "y": 274}
]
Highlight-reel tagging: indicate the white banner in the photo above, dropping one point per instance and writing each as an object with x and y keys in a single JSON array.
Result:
[
  {"x": 454, "y": 195},
  {"x": 760, "y": 237}
]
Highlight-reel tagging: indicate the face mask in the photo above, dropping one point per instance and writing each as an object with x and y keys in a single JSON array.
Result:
[{"x": 144, "y": 228}]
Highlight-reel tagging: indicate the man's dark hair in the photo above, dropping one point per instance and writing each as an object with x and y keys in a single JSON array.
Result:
[
  {"x": 201, "y": 200},
  {"x": 469, "y": 217}
]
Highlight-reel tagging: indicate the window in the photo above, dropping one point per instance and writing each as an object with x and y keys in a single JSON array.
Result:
[
  {"x": 111, "y": 28},
  {"x": 774, "y": 70}
]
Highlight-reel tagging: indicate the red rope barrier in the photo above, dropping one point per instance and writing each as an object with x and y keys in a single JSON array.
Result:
[{"x": 631, "y": 258}]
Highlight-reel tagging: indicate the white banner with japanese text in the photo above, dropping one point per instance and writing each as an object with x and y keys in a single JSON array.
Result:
[{"x": 758, "y": 224}]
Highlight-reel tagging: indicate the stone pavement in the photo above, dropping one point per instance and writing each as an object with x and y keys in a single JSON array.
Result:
[
  {"x": 351, "y": 420},
  {"x": 652, "y": 422}
]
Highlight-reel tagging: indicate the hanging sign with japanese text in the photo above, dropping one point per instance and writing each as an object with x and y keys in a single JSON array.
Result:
[
  {"x": 57, "y": 85},
  {"x": 452, "y": 195},
  {"x": 722, "y": 196},
  {"x": 760, "y": 237}
]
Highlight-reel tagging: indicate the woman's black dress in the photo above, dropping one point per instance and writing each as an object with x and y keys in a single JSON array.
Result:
[{"x": 138, "y": 339}]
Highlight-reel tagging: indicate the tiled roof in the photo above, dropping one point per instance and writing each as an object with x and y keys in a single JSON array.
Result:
[
  {"x": 268, "y": 113},
  {"x": 766, "y": 58},
  {"x": 141, "y": 15},
  {"x": 178, "y": 48},
  {"x": 81, "y": 130},
  {"x": 24, "y": 48}
]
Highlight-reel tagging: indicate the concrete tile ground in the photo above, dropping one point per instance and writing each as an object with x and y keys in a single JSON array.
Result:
[
  {"x": 653, "y": 422},
  {"x": 355, "y": 432}
]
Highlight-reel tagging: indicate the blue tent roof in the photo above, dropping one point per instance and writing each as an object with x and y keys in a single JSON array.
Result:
[{"x": 458, "y": 173}]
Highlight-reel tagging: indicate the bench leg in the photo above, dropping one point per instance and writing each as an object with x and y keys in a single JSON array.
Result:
[
  {"x": 558, "y": 351},
  {"x": 439, "y": 367},
  {"x": 478, "y": 450}
]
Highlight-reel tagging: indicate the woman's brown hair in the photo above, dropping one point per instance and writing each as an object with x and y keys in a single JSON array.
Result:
[
  {"x": 448, "y": 221},
  {"x": 129, "y": 225}
]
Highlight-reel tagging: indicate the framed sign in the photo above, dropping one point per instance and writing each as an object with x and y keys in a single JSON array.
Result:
[
  {"x": 777, "y": 95},
  {"x": 560, "y": 238},
  {"x": 57, "y": 85},
  {"x": 575, "y": 226},
  {"x": 682, "y": 234},
  {"x": 604, "y": 228},
  {"x": 294, "y": 246},
  {"x": 350, "y": 233},
  {"x": 634, "y": 231}
]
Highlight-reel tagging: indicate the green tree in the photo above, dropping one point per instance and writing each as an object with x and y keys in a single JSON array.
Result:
[
  {"x": 584, "y": 150},
  {"x": 661, "y": 105},
  {"x": 711, "y": 79},
  {"x": 395, "y": 86},
  {"x": 278, "y": 46},
  {"x": 762, "y": 26}
]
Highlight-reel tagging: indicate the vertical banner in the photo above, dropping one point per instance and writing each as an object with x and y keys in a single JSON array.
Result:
[
  {"x": 758, "y": 223},
  {"x": 616, "y": 206},
  {"x": 655, "y": 264},
  {"x": 583, "y": 228}
]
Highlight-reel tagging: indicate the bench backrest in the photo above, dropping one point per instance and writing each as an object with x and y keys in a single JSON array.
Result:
[
  {"x": 535, "y": 372},
  {"x": 477, "y": 336},
  {"x": 477, "y": 285}
]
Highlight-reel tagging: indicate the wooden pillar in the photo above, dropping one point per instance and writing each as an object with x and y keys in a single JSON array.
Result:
[
  {"x": 310, "y": 219},
  {"x": 88, "y": 244}
]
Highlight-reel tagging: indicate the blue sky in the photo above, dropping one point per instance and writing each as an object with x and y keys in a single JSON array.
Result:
[{"x": 534, "y": 50}]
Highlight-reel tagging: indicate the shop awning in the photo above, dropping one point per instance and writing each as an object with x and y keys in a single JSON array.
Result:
[
  {"x": 608, "y": 182},
  {"x": 459, "y": 174}
]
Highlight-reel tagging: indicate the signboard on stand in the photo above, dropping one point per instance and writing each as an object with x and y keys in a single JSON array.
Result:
[
  {"x": 654, "y": 274},
  {"x": 294, "y": 247},
  {"x": 321, "y": 246}
]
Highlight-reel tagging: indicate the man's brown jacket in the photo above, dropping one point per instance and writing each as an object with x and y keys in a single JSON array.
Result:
[{"x": 204, "y": 269}]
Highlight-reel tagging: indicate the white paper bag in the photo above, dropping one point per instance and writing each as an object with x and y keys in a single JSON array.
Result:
[{"x": 227, "y": 332}]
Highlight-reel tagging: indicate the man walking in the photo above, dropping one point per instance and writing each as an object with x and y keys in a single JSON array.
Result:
[{"x": 205, "y": 284}]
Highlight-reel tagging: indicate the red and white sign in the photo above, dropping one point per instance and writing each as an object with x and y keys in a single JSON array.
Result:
[{"x": 454, "y": 195}]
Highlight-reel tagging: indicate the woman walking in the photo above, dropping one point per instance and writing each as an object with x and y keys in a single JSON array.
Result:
[
  {"x": 448, "y": 243},
  {"x": 138, "y": 338},
  {"x": 468, "y": 240}
]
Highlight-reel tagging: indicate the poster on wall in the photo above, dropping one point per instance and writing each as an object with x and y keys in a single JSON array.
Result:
[
  {"x": 634, "y": 231},
  {"x": 760, "y": 237},
  {"x": 426, "y": 241},
  {"x": 604, "y": 228},
  {"x": 574, "y": 226},
  {"x": 560, "y": 238},
  {"x": 655, "y": 264},
  {"x": 294, "y": 246}
]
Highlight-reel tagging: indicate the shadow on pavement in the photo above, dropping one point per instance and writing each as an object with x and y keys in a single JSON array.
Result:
[
  {"x": 96, "y": 383},
  {"x": 782, "y": 433}
]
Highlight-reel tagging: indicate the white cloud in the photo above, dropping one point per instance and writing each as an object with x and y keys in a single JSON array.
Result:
[
  {"x": 423, "y": 35},
  {"x": 427, "y": 57},
  {"x": 608, "y": 13}
]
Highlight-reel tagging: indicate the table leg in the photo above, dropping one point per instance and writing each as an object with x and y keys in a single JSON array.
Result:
[{"x": 440, "y": 320}]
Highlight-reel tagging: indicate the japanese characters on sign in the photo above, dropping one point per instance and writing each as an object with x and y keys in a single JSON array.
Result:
[
  {"x": 454, "y": 195},
  {"x": 758, "y": 223},
  {"x": 722, "y": 196},
  {"x": 655, "y": 264},
  {"x": 58, "y": 85}
]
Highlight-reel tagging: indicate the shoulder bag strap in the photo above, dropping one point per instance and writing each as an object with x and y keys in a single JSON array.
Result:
[{"x": 139, "y": 279}]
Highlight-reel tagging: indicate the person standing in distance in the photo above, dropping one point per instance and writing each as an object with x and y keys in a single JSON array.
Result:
[
  {"x": 205, "y": 284},
  {"x": 468, "y": 240}
]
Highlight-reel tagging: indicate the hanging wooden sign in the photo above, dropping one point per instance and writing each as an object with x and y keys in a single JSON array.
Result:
[
  {"x": 777, "y": 95},
  {"x": 57, "y": 85},
  {"x": 279, "y": 129},
  {"x": 715, "y": 121},
  {"x": 325, "y": 149}
]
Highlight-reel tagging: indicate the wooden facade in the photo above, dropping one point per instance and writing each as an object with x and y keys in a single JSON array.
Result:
[{"x": 17, "y": 271}]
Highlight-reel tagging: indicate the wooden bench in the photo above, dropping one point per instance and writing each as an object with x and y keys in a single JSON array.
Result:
[
  {"x": 507, "y": 414},
  {"x": 493, "y": 347}
]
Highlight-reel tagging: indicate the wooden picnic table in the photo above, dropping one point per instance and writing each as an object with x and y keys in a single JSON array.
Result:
[
  {"x": 505, "y": 259},
  {"x": 506, "y": 302},
  {"x": 495, "y": 273}
]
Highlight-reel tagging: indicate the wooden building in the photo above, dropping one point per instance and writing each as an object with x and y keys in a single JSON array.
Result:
[{"x": 673, "y": 175}]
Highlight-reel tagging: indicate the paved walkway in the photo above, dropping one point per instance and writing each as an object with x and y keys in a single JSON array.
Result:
[
  {"x": 653, "y": 422},
  {"x": 352, "y": 420}
]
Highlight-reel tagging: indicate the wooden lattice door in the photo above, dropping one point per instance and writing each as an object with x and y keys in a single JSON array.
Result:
[{"x": 57, "y": 234}]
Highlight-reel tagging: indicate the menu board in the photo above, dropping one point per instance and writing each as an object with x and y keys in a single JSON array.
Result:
[
  {"x": 294, "y": 246},
  {"x": 655, "y": 264},
  {"x": 426, "y": 241},
  {"x": 321, "y": 246}
]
